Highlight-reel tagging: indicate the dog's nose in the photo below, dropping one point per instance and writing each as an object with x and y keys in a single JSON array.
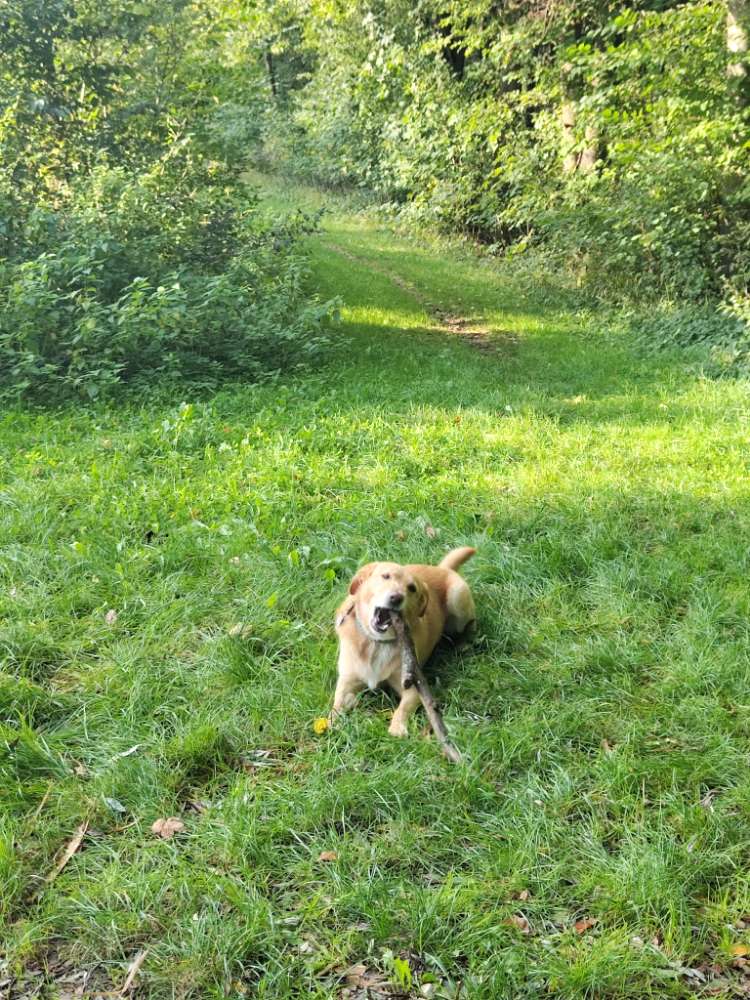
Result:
[{"x": 396, "y": 599}]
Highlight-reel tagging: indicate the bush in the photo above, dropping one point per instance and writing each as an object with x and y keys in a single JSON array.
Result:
[
  {"x": 719, "y": 336},
  {"x": 174, "y": 272}
]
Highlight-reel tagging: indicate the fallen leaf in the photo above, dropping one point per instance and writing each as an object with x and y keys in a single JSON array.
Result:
[
  {"x": 582, "y": 926},
  {"x": 306, "y": 948},
  {"x": 133, "y": 970},
  {"x": 739, "y": 950},
  {"x": 523, "y": 895},
  {"x": 606, "y": 746},
  {"x": 361, "y": 977},
  {"x": 240, "y": 630},
  {"x": 717, "y": 986},
  {"x": 321, "y": 726},
  {"x": 167, "y": 828},
  {"x": 73, "y": 844},
  {"x": 114, "y": 804},
  {"x": 354, "y": 973},
  {"x": 518, "y": 920},
  {"x": 400, "y": 536},
  {"x": 328, "y": 856},
  {"x": 689, "y": 973},
  {"x": 132, "y": 750},
  {"x": 111, "y": 617},
  {"x": 197, "y": 805},
  {"x": 430, "y": 531}
]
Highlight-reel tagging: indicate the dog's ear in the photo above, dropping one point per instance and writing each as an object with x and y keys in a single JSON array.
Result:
[
  {"x": 360, "y": 577},
  {"x": 424, "y": 596}
]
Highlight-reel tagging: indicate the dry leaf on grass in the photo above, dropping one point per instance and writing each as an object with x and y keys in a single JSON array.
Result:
[
  {"x": 518, "y": 920},
  {"x": 740, "y": 950},
  {"x": 328, "y": 856},
  {"x": 167, "y": 828},
  {"x": 582, "y": 926},
  {"x": 708, "y": 799},
  {"x": 430, "y": 531},
  {"x": 371, "y": 980},
  {"x": 73, "y": 844},
  {"x": 135, "y": 966},
  {"x": 198, "y": 805},
  {"x": 111, "y": 617}
]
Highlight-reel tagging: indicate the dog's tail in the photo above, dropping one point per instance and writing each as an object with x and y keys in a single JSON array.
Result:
[{"x": 457, "y": 557}]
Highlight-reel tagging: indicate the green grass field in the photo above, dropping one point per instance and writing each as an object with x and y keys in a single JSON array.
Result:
[{"x": 169, "y": 572}]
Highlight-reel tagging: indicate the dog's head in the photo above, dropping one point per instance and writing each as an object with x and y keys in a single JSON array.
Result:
[{"x": 382, "y": 588}]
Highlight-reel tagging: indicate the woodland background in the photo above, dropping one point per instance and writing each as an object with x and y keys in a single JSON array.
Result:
[{"x": 609, "y": 142}]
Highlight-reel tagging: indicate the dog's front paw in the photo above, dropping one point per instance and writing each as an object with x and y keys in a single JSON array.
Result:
[{"x": 398, "y": 728}]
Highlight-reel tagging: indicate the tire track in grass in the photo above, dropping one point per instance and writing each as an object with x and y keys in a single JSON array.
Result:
[{"x": 449, "y": 322}]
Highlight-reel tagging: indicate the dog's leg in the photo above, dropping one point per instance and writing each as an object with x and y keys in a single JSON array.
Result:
[
  {"x": 461, "y": 617},
  {"x": 410, "y": 702},
  {"x": 347, "y": 689}
]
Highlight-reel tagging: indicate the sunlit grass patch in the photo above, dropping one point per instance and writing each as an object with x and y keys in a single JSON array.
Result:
[{"x": 169, "y": 574}]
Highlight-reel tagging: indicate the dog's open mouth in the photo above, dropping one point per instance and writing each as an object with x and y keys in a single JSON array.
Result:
[{"x": 381, "y": 620}]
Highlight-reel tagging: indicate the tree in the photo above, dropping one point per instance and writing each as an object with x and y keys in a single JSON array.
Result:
[{"x": 738, "y": 30}]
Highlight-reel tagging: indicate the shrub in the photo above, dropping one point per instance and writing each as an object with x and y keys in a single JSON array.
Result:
[{"x": 173, "y": 272}]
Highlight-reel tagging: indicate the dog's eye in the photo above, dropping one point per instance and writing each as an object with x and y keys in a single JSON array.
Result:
[
  {"x": 412, "y": 587},
  {"x": 386, "y": 576}
]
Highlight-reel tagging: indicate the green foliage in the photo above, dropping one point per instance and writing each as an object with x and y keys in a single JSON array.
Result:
[
  {"x": 170, "y": 273},
  {"x": 454, "y": 112},
  {"x": 130, "y": 248}
]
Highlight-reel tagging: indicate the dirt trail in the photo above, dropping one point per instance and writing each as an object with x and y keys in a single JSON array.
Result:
[{"x": 460, "y": 326}]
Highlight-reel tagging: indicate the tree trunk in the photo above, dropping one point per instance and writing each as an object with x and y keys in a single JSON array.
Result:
[
  {"x": 738, "y": 30},
  {"x": 271, "y": 72},
  {"x": 581, "y": 160},
  {"x": 568, "y": 116},
  {"x": 568, "y": 121},
  {"x": 590, "y": 153}
]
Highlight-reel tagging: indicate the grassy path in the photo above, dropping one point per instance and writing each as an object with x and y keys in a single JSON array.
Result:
[{"x": 168, "y": 578}]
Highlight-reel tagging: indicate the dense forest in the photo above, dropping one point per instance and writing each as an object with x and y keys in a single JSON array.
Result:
[
  {"x": 614, "y": 135},
  {"x": 611, "y": 140}
]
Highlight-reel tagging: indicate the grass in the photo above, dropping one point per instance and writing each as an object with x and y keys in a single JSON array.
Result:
[{"x": 603, "y": 709}]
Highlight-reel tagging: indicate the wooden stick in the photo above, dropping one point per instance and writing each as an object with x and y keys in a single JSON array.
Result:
[
  {"x": 412, "y": 676},
  {"x": 133, "y": 971},
  {"x": 69, "y": 851}
]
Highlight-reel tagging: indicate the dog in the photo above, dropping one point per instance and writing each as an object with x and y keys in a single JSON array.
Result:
[{"x": 433, "y": 600}]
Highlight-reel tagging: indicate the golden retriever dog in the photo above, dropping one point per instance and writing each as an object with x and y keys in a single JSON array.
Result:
[{"x": 433, "y": 600}]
